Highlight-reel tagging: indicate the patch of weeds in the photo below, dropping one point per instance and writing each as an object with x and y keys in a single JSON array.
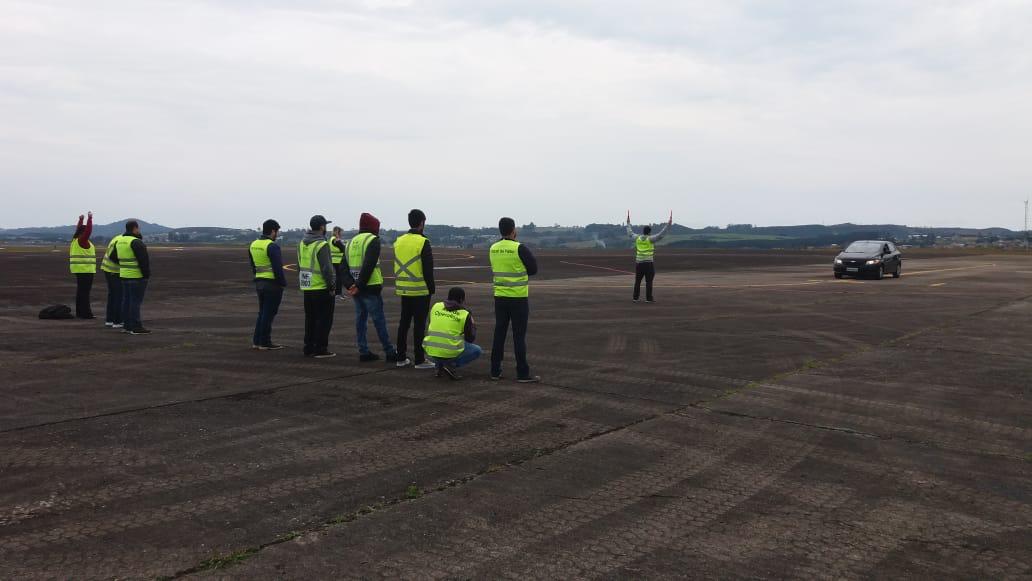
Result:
[
  {"x": 223, "y": 561},
  {"x": 365, "y": 510},
  {"x": 339, "y": 520},
  {"x": 1028, "y": 457},
  {"x": 413, "y": 492},
  {"x": 811, "y": 364},
  {"x": 288, "y": 537}
]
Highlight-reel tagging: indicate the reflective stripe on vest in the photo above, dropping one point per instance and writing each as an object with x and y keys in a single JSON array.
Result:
[
  {"x": 509, "y": 274},
  {"x": 309, "y": 274},
  {"x": 128, "y": 267},
  {"x": 82, "y": 260},
  {"x": 108, "y": 265},
  {"x": 260, "y": 255},
  {"x": 408, "y": 266},
  {"x": 356, "y": 248},
  {"x": 645, "y": 250},
  {"x": 446, "y": 334},
  {"x": 336, "y": 254}
]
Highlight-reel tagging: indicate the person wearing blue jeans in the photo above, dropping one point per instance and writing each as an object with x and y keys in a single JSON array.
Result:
[
  {"x": 269, "y": 281},
  {"x": 360, "y": 268},
  {"x": 451, "y": 328}
]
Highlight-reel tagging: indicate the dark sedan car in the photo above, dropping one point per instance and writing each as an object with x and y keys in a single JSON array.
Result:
[{"x": 875, "y": 258}]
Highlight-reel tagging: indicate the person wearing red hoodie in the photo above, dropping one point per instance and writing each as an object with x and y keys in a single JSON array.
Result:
[
  {"x": 364, "y": 281},
  {"x": 82, "y": 258}
]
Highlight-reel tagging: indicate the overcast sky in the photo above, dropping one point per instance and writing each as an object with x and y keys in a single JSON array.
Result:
[{"x": 227, "y": 112}]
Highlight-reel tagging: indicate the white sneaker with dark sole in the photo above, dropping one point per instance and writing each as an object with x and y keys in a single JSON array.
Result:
[
  {"x": 403, "y": 363},
  {"x": 425, "y": 366}
]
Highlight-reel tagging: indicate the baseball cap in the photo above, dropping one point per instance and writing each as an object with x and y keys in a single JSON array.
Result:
[{"x": 318, "y": 221}]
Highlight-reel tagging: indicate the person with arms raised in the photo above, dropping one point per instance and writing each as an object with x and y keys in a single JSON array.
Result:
[{"x": 82, "y": 261}]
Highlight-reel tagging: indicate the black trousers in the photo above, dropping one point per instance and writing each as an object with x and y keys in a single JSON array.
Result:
[
  {"x": 646, "y": 270},
  {"x": 516, "y": 312},
  {"x": 83, "y": 285},
  {"x": 318, "y": 320},
  {"x": 113, "y": 313},
  {"x": 340, "y": 283},
  {"x": 414, "y": 311}
]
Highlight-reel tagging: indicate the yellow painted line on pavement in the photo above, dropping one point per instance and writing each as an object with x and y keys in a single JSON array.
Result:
[
  {"x": 290, "y": 267},
  {"x": 937, "y": 284}
]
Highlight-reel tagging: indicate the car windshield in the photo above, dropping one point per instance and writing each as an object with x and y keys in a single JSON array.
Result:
[{"x": 864, "y": 247}]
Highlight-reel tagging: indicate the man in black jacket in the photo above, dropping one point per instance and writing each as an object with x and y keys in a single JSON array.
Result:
[{"x": 134, "y": 270}]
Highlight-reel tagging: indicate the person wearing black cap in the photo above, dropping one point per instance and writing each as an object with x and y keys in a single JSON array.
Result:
[
  {"x": 269, "y": 282},
  {"x": 318, "y": 284}
]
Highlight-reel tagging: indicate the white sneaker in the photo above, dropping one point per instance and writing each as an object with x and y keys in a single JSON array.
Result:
[
  {"x": 108, "y": 324},
  {"x": 426, "y": 365},
  {"x": 118, "y": 326},
  {"x": 404, "y": 362}
]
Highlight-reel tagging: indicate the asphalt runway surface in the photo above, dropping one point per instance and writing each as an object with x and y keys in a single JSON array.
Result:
[{"x": 762, "y": 419}]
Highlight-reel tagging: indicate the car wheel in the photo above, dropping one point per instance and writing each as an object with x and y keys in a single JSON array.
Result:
[
  {"x": 881, "y": 273},
  {"x": 899, "y": 271},
  {"x": 838, "y": 275}
]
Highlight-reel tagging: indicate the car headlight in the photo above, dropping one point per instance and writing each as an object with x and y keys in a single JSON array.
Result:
[
  {"x": 838, "y": 261},
  {"x": 875, "y": 261}
]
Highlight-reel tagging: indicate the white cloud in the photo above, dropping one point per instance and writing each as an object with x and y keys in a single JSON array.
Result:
[{"x": 767, "y": 112}]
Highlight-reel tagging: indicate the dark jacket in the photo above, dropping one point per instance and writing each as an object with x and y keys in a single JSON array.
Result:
[
  {"x": 470, "y": 331},
  {"x": 322, "y": 257},
  {"x": 140, "y": 250},
  {"x": 276, "y": 257}
]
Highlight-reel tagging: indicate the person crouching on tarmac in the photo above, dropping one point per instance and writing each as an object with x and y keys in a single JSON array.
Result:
[{"x": 449, "y": 338}]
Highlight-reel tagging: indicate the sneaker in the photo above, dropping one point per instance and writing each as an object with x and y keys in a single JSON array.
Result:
[
  {"x": 425, "y": 365},
  {"x": 391, "y": 357},
  {"x": 271, "y": 347},
  {"x": 140, "y": 331},
  {"x": 650, "y": 301},
  {"x": 324, "y": 355},
  {"x": 450, "y": 371},
  {"x": 531, "y": 379},
  {"x": 367, "y": 357},
  {"x": 118, "y": 326},
  {"x": 108, "y": 324},
  {"x": 86, "y": 317},
  {"x": 404, "y": 362},
  {"x": 496, "y": 377},
  {"x": 255, "y": 347},
  {"x": 635, "y": 301}
]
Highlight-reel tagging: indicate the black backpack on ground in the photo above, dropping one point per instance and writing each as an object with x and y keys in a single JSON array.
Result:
[{"x": 56, "y": 312}]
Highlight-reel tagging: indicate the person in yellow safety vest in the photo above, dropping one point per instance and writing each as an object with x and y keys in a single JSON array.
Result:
[
  {"x": 644, "y": 254},
  {"x": 366, "y": 285},
  {"x": 414, "y": 283},
  {"x": 449, "y": 340},
  {"x": 318, "y": 283},
  {"x": 269, "y": 282},
  {"x": 512, "y": 265},
  {"x": 337, "y": 249},
  {"x": 133, "y": 261},
  {"x": 82, "y": 261},
  {"x": 113, "y": 315}
]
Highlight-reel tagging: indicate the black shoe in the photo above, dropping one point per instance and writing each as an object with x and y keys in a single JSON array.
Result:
[
  {"x": 367, "y": 357},
  {"x": 324, "y": 355},
  {"x": 392, "y": 357},
  {"x": 87, "y": 317},
  {"x": 531, "y": 379},
  {"x": 650, "y": 301},
  {"x": 140, "y": 331},
  {"x": 270, "y": 347},
  {"x": 451, "y": 372}
]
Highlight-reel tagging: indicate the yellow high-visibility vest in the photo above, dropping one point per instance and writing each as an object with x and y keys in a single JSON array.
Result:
[
  {"x": 408, "y": 266},
  {"x": 509, "y": 272},
  {"x": 82, "y": 260},
  {"x": 260, "y": 256},
  {"x": 446, "y": 333}
]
